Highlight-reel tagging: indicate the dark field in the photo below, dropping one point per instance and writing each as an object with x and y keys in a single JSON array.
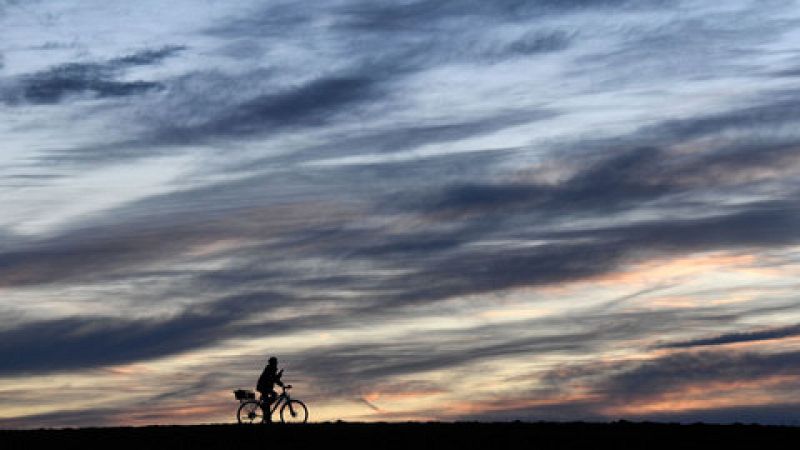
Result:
[{"x": 492, "y": 436}]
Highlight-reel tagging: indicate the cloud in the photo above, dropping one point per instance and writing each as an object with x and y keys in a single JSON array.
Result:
[
  {"x": 346, "y": 367},
  {"x": 356, "y": 166},
  {"x": 733, "y": 338},
  {"x": 108, "y": 249},
  {"x": 444, "y": 263},
  {"x": 355, "y": 367},
  {"x": 99, "y": 80},
  {"x": 618, "y": 389},
  {"x": 65, "y": 418},
  {"x": 789, "y": 73},
  {"x": 441, "y": 267},
  {"x": 415, "y": 14},
  {"x": 444, "y": 268},
  {"x": 627, "y": 381},
  {"x": 533, "y": 43},
  {"x": 374, "y": 150},
  {"x": 306, "y": 105},
  {"x": 65, "y": 344},
  {"x": 776, "y": 414},
  {"x": 707, "y": 48},
  {"x": 78, "y": 257},
  {"x": 185, "y": 116},
  {"x": 80, "y": 342},
  {"x": 627, "y": 180},
  {"x": 4, "y": 4},
  {"x": 83, "y": 342},
  {"x": 147, "y": 57},
  {"x": 610, "y": 184},
  {"x": 438, "y": 263}
]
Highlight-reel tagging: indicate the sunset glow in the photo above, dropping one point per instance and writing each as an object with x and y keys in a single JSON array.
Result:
[{"x": 426, "y": 209}]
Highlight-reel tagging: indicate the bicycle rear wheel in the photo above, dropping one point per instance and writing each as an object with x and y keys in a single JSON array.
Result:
[
  {"x": 250, "y": 412},
  {"x": 294, "y": 411}
]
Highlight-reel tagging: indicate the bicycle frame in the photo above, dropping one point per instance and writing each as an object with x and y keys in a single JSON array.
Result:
[{"x": 282, "y": 398}]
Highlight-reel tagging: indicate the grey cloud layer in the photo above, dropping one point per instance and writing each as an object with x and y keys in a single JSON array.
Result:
[
  {"x": 443, "y": 262},
  {"x": 81, "y": 342},
  {"x": 745, "y": 336},
  {"x": 97, "y": 79},
  {"x": 629, "y": 383},
  {"x": 309, "y": 210}
]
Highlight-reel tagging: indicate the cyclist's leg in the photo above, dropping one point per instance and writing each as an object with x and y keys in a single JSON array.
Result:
[{"x": 267, "y": 400}]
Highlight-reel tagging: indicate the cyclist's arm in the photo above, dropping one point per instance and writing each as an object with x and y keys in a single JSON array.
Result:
[{"x": 278, "y": 378}]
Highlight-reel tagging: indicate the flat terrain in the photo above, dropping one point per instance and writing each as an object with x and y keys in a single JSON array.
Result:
[{"x": 492, "y": 436}]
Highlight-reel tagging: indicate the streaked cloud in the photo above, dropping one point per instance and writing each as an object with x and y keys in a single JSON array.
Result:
[
  {"x": 93, "y": 79},
  {"x": 540, "y": 210}
]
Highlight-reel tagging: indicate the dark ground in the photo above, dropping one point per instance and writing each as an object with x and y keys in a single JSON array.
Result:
[{"x": 463, "y": 435}]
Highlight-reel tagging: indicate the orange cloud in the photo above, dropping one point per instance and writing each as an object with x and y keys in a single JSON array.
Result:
[
  {"x": 129, "y": 369},
  {"x": 484, "y": 406},
  {"x": 663, "y": 270},
  {"x": 711, "y": 395},
  {"x": 401, "y": 396}
]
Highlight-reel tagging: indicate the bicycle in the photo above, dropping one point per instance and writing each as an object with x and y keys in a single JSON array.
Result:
[{"x": 252, "y": 410}]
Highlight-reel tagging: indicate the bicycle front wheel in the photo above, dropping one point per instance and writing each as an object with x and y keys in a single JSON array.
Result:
[
  {"x": 294, "y": 411},
  {"x": 250, "y": 412}
]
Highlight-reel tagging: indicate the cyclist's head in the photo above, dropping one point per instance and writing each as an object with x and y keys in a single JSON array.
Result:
[{"x": 273, "y": 361}]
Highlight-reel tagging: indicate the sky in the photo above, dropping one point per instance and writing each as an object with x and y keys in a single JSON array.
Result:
[{"x": 426, "y": 209}]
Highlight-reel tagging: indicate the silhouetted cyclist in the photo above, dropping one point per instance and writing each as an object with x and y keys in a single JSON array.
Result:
[{"x": 267, "y": 381}]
